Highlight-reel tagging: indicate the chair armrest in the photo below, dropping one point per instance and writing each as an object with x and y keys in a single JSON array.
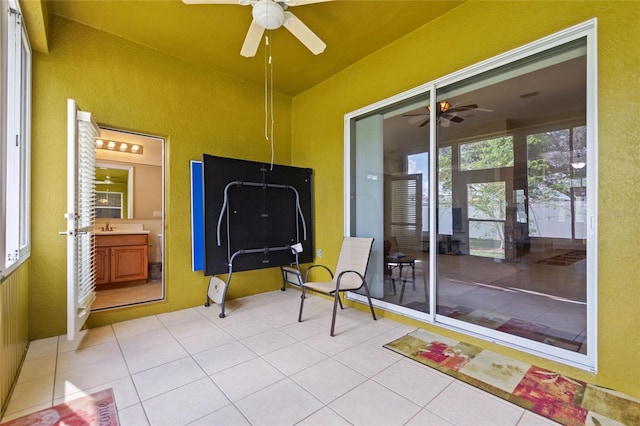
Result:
[
  {"x": 306, "y": 275},
  {"x": 347, "y": 272}
]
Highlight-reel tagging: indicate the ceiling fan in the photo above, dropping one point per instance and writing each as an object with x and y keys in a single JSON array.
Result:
[
  {"x": 107, "y": 181},
  {"x": 445, "y": 114},
  {"x": 271, "y": 15}
]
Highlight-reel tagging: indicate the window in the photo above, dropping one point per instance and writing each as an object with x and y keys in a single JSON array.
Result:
[
  {"x": 419, "y": 164},
  {"x": 486, "y": 212},
  {"x": 487, "y": 154},
  {"x": 16, "y": 139},
  {"x": 108, "y": 204},
  {"x": 557, "y": 183}
]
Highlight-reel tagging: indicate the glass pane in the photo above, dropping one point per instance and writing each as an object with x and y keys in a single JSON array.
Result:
[
  {"x": 486, "y": 239},
  {"x": 419, "y": 164},
  {"x": 108, "y": 205},
  {"x": 487, "y": 154},
  {"x": 390, "y": 200},
  {"x": 486, "y": 200},
  {"x": 512, "y": 200}
]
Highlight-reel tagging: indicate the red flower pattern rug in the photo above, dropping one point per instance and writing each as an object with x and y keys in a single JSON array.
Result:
[
  {"x": 97, "y": 409},
  {"x": 565, "y": 259},
  {"x": 562, "y": 399}
]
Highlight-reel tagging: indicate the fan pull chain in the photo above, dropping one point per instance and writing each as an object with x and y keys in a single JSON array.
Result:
[{"x": 268, "y": 95}]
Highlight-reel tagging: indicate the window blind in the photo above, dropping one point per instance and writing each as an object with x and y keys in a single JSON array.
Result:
[
  {"x": 405, "y": 193},
  {"x": 86, "y": 212}
]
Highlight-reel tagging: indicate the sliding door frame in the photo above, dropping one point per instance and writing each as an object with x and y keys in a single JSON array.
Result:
[{"x": 586, "y": 30}]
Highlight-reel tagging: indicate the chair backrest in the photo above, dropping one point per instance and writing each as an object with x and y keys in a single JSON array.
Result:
[{"x": 354, "y": 256}]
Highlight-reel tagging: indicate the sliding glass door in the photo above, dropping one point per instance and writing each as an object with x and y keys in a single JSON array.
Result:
[
  {"x": 524, "y": 274},
  {"x": 389, "y": 184},
  {"x": 479, "y": 189}
]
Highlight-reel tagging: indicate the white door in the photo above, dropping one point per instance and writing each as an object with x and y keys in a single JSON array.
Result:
[{"x": 80, "y": 215}]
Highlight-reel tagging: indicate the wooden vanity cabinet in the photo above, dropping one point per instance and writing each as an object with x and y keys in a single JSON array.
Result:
[
  {"x": 122, "y": 258},
  {"x": 102, "y": 265}
]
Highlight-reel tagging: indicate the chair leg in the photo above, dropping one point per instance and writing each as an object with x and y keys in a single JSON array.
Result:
[
  {"x": 366, "y": 290},
  {"x": 336, "y": 300},
  {"x": 302, "y": 297}
]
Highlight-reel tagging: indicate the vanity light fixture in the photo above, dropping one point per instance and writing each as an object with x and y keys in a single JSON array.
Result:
[{"x": 119, "y": 146}]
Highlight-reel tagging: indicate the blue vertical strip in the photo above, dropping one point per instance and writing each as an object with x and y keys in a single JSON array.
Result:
[{"x": 197, "y": 216}]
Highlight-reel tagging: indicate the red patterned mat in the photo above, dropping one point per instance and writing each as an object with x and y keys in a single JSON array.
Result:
[
  {"x": 560, "y": 398},
  {"x": 95, "y": 409}
]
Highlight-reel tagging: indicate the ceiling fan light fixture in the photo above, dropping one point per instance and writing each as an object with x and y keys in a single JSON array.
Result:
[
  {"x": 268, "y": 14},
  {"x": 578, "y": 162},
  {"x": 443, "y": 106}
]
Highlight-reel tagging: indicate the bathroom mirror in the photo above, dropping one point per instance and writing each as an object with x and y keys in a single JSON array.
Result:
[
  {"x": 114, "y": 191},
  {"x": 128, "y": 182}
]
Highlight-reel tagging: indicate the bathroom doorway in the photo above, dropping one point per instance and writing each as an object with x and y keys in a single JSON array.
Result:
[{"x": 129, "y": 226}]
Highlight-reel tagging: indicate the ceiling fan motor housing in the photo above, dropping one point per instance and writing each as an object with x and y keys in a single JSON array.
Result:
[{"x": 268, "y": 14}]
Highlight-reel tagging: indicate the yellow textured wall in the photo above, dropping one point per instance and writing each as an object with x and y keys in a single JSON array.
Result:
[
  {"x": 129, "y": 86},
  {"x": 473, "y": 32},
  {"x": 14, "y": 327}
]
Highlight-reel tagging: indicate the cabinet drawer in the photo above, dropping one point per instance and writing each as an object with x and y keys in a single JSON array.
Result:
[{"x": 121, "y": 240}]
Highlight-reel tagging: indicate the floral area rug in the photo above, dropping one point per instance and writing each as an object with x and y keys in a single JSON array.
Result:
[
  {"x": 562, "y": 399},
  {"x": 565, "y": 259},
  {"x": 95, "y": 409},
  {"x": 528, "y": 330}
]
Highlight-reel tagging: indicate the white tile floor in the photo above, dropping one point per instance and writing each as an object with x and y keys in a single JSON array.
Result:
[{"x": 256, "y": 366}]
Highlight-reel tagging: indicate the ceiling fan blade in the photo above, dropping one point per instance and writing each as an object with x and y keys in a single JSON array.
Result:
[
  {"x": 424, "y": 123},
  {"x": 456, "y": 119},
  {"x": 252, "y": 40},
  {"x": 240, "y": 2},
  {"x": 303, "y": 2},
  {"x": 462, "y": 108},
  {"x": 304, "y": 34},
  {"x": 413, "y": 119}
]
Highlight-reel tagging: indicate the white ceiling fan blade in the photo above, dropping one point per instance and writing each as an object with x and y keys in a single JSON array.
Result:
[
  {"x": 304, "y": 34},
  {"x": 240, "y": 2},
  {"x": 303, "y": 2},
  {"x": 252, "y": 40}
]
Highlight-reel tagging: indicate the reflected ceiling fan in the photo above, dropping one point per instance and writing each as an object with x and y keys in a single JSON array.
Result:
[
  {"x": 107, "y": 181},
  {"x": 446, "y": 114},
  {"x": 271, "y": 15}
]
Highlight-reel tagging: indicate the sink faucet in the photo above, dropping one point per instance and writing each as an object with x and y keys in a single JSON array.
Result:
[{"x": 106, "y": 227}]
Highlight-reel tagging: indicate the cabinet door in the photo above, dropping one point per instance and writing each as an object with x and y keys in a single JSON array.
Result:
[
  {"x": 102, "y": 265},
  {"x": 129, "y": 263}
]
